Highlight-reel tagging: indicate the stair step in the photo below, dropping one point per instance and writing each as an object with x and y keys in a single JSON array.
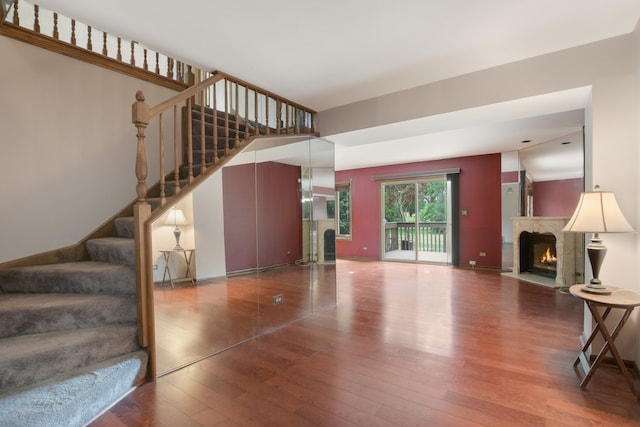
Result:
[
  {"x": 71, "y": 277},
  {"x": 30, "y": 359},
  {"x": 117, "y": 250},
  {"x": 75, "y": 399},
  {"x": 208, "y": 115},
  {"x": 125, "y": 227},
  {"x": 221, "y": 131},
  {"x": 170, "y": 187},
  {"x": 23, "y": 314}
]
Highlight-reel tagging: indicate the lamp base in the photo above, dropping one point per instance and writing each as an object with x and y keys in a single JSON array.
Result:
[{"x": 596, "y": 289}]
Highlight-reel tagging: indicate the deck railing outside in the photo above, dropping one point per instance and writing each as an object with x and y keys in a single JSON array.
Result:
[{"x": 430, "y": 237}]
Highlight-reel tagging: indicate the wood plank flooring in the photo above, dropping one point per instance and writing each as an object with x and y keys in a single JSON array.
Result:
[{"x": 407, "y": 344}]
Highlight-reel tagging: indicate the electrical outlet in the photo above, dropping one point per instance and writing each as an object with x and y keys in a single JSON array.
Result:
[
  {"x": 483, "y": 254},
  {"x": 276, "y": 299},
  {"x": 472, "y": 262}
]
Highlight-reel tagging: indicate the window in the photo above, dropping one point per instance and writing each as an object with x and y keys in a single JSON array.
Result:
[{"x": 343, "y": 209}]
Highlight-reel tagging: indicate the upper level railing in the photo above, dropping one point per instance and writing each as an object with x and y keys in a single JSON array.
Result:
[{"x": 48, "y": 29}]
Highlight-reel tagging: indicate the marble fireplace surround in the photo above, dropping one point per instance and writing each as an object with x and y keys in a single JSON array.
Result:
[{"x": 566, "y": 247}]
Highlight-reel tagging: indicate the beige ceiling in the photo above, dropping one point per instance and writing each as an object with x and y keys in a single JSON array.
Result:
[{"x": 328, "y": 53}]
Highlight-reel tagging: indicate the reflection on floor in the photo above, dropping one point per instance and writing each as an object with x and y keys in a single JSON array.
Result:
[
  {"x": 193, "y": 322},
  {"x": 410, "y": 255}
]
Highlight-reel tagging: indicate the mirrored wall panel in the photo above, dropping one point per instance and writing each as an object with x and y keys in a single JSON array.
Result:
[{"x": 263, "y": 251}]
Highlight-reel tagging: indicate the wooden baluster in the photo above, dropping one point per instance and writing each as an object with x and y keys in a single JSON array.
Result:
[
  {"x": 16, "y": 14},
  {"x": 203, "y": 165},
  {"x": 237, "y": 117},
  {"x": 119, "y": 56},
  {"x": 190, "y": 139},
  {"x": 286, "y": 113},
  {"x": 176, "y": 152},
  {"x": 36, "y": 18},
  {"x": 255, "y": 105},
  {"x": 215, "y": 125},
  {"x": 163, "y": 193},
  {"x": 246, "y": 112},
  {"x": 89, "y": 44},
  {"x": 145, "y": 65},
  {"x": 170, "y": 68},
  {"x": 73, "y": 32},
  {"x": 104, "y": 44},
  {"x": 132, "y": 60},
  {"x": 157, "y": 63},
  {"x": 278, "y": 116},
  {"x": 56, "y": 34},
  {"x": 191, "y": 76},
  {"x": 226, "y": 117},
  {"x": 266, "y": 114}
]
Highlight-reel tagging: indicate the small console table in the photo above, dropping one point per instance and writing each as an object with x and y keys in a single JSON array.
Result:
[
  {"x": 188, "y": 256},
  {"x": 622, "y": 299}
]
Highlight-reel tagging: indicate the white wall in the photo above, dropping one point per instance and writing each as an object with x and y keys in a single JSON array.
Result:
[
  {"x": 164, "y": 239},
  {"x": 209, "y": 228},
  {"x": 68, "y": 147},
  {"x": 611, "y": 131}
]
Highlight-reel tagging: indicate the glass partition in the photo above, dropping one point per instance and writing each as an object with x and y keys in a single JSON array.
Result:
[{"x": 264, "y": 238}]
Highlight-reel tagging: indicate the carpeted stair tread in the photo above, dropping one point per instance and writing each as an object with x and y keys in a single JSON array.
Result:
[
  {"x": 74, "y": 400},
  {"x": 70, "y": 277},
  {"x": 22, "y": 314},
  {"x": 30, "y": 359},
  {"x": 125, "y": 227},
  {"x": 118, "y": 250}
]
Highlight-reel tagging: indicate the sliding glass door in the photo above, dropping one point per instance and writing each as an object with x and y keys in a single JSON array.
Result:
[{"x": 416, "y": 223}]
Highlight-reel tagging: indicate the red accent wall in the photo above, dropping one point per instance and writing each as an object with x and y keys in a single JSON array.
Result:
[
  {"x": 508, "y": 177},
  {"x": 279, "y": 214},
  {"x": 261, "y": 237},
  {"x": 239, "y": 198},
  {"x": 480, "y": 195},
  {"x": 556, "y": 198}
]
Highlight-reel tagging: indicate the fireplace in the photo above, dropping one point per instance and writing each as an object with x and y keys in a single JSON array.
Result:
[
  {"x": 538, "y": 254},
  {"x": 564, "y": 260}
]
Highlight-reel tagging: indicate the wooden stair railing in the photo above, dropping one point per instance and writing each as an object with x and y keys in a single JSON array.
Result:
[
  {"x": 50, "y": 30},
  {"x": 229, "y": 113}
]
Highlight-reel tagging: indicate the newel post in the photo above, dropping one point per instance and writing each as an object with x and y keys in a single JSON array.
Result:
[
  {"x": 140, "y": 118},
  {"x": 141, "y": 213}
]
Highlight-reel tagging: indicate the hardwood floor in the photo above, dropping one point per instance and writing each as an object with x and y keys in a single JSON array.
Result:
[{"x": 407, "y": 345}]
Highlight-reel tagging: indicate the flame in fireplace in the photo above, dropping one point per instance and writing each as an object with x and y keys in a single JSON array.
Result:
[{"x": 548, "y": 257}]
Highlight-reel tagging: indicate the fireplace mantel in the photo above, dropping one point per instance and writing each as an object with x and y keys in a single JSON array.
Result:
[{"x": 570, "y": 258}]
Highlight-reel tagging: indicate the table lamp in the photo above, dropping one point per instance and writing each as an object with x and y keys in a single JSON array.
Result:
[
  {"x": 597, "y": 212},
  {"x": 176, "y": 217}
]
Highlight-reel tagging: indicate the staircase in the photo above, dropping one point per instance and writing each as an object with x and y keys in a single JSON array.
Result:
[
  {"x": 68, "y": 342},
  {"x": 69, "y": 337}
]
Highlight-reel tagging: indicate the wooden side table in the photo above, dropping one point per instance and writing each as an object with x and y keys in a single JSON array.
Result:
[
  {"x": 188, "y": 256},
  {"x": 622, "y": 299}
]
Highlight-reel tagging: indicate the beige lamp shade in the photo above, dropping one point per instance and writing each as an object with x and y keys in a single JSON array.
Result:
[
  {"x": 598, "y": 212},
  {"x": 176, "y": 217}
]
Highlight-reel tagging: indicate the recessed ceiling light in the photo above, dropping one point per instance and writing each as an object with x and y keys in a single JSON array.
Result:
[{"x": 526, "y": 141}]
